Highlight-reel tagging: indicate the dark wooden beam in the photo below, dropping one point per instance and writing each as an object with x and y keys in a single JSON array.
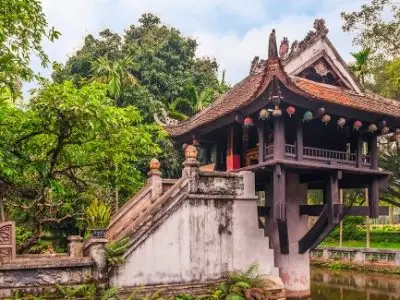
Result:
[
  {"x": 359, "y": 150},
  {"x": 299, "y": 139},
  {"x": 316, "y": 210},
  {"x": 332, "y": 197},
  {"x": 279, "y": 193},
  {"x": 373, "y": 198},
  {"x": 261, "y": 141},
  {"x": 279, "y": 138},
  {"x": 283, "y": 237},
  {"x": 373, "y": 151},
  {"x": 317, "y": 233}
]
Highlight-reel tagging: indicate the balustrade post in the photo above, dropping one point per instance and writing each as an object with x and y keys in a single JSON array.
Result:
[
  {"x": 261, "y": 142},
  {"x": 299, "y": 140},
  {"x": 279, "y": 138}
]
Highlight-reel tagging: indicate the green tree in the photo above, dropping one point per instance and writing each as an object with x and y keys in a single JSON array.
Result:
[
  {"x": 115, "y": 74},
  {"x": 360, "y": 67},
  {"x": 58, "y": 153},
  {"x": 23, "y": 28},
  {"x": 182, "y": 108},
  {"x": 376, "y": 25}
]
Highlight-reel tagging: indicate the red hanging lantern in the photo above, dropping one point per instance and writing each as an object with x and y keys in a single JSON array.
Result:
[
  {"x": 290, "y": 110},
  {"x": 357, "y": 125},
  {"x": 248, "y": 122}
]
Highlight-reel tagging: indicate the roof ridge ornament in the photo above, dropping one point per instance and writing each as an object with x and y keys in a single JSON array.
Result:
[
  {"x": 272, "y": 47},
  {"x": 162, "y": 118}
]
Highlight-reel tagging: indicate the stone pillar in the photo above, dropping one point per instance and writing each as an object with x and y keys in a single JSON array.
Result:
[
  {"x": 95, "y": 248},
  {"x": 75, "y": 246},
  {"x": 325, "y": 254},
  {"x": 294, "y": 268},
  {"x": 249, "y": 185},
  {"x": 154, "y": 178},
  {"x": 191, "y": 168},
  {"x": 359, "y": 257}
]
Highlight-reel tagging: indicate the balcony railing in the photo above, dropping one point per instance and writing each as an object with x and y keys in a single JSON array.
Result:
[{"x": 332, "y": 155}]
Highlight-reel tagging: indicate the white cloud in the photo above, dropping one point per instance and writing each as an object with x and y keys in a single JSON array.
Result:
[{"x": 249, "y": 23}]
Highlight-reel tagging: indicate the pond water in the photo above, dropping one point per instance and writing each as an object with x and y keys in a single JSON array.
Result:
[{"x": 344, "y": 285}]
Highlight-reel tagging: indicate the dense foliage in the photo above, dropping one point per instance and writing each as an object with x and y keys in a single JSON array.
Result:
[
  {"x": 23, "y": 27},
  {"x": 62, "y": 150}
]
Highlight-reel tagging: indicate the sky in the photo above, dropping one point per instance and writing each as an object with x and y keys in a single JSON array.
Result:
[{"x": 232, "y": 31}]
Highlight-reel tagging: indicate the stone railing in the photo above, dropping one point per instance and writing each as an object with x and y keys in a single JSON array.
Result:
[
  {"x": 7, "y": 242},
  {"x": 357, "y": 255}
]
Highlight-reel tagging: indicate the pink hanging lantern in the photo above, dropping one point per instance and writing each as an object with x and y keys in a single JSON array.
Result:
[
  {"x": 277, "y": 112},
  {"x": 290, "y": 110},
  {"x": 357, "y": 125},
  {"x": 248, "y": 122},
  {"x": 325, "y": 119},
  {"x": 372, "y": 128},
  {"x": 341, "y": 122}
]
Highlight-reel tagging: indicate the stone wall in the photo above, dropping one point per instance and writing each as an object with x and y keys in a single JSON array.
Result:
[
  {"x": 35, "y": 274},
  {"x": 202, "y": 237}
]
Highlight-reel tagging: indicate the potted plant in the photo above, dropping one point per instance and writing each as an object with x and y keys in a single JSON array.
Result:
[{"x": 98, "y": 217}]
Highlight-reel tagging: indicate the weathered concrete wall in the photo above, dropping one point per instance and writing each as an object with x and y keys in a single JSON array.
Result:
[
  {"x": 294, "y": 268},
  {"x": 204, "y": 239},
  {"x": 30, "y": 275}
]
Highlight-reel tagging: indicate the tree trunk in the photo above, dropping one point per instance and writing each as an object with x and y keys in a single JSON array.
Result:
[{"x": 116, "y": 200}]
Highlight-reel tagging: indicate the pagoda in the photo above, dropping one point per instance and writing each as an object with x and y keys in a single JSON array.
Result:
[{"x": 300, "y": 121}]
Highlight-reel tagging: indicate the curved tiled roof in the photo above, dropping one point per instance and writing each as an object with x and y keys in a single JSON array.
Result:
[
  {"x": 340, "y": 96},
  {"x": 256, "y": 83}
]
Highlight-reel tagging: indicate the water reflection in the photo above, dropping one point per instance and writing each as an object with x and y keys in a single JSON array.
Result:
[{"x": 342, "y": 285}]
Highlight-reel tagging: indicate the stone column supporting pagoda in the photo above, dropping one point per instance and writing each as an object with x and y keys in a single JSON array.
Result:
[{"x": 294, "y": 268}]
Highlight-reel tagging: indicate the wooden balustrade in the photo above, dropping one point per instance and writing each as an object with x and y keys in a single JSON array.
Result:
[{"x": 309, "y": 153}]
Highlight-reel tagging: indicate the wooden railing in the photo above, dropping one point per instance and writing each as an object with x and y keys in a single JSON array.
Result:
[
  {"x": 332, "y": 155},
  {"x": 290, "y": 150}
]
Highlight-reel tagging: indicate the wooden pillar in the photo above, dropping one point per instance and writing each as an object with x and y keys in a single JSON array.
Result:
[
  {"x": 279, "y": 138},
  {"x": 373, "y": 151},
  {"x": 332, "y": 197},
  {"x": 299, "y": 140},
  {"x": 279, "y": 193},
  {"x": 261, "y": 142},
  {"x": 373, "y": 198},
  {"x": 359, "y": 150}
]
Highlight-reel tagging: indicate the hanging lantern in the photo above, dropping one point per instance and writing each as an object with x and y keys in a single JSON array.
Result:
[
  {"x": 383, "y": 123},
  {"x": 277, "y": 112},
  {"x": 385, "y": 130},
  {"x": 357, "y": 125},
  {"x": 195, "y": 142},
  {"x": 308, "y": 116},
  {"x": 372, "y": 128},
  {"x": 320, "y": 111},
  {"x": 184, "y": 146},
  {"x": 325, "y": 119},
  {"x": 395, "y": 138},
  {"x": 290, "y": 110},
  {"x": 248, "y": 122},
  {"x": 264, "y": 114},
  {"x": 341, "y": 122}
]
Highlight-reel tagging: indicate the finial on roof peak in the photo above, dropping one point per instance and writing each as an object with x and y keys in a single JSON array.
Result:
[
  {"x": 320, "y": 27},
  {"x": 272, "y": 47}
]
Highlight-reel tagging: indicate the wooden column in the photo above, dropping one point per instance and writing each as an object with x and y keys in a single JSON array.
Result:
[
  {"x": 373, "y": 151},
  {"x": 299, "y": 140},
  {"x": 261, "y": 142},
  {"x": 359, "y": 150},
  {"x": 279, "y": 193},
  {"x": 332, "y": 197},
  {"x": 373, "y": 198},
  {"x": 279, "y": 138}
]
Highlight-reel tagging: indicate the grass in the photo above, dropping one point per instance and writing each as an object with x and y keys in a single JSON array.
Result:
[{"x": 362, "y": 244}]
